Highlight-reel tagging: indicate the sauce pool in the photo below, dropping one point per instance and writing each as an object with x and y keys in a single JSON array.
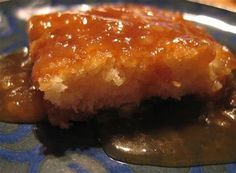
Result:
[
  {"x": 20, "y": 101},
  {"x": 171, "y": 133}
]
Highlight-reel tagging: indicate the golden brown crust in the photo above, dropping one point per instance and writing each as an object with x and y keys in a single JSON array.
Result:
[
  {"x": 117, "y": 54},
  {"x": 119, "y": 29}
]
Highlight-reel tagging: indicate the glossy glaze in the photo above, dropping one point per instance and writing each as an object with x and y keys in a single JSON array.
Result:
[
  {"x": 20, "y": 101},
  {"x": 172, "y": 133},
  {"x": 134, "y": 35}
]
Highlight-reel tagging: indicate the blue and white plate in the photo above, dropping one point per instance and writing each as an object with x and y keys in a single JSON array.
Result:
[{"x": 21, "y": 151}]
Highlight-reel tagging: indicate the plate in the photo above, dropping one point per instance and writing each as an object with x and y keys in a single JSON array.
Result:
[{"x": 22, "y": 149}]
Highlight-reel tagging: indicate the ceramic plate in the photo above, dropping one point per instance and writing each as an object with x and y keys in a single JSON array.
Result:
[{"x": 23, "y": 150}]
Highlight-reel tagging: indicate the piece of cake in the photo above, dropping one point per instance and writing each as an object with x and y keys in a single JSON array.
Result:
[{"x": 113, "y": 55}]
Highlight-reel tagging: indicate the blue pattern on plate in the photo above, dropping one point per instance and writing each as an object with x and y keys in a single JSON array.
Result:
[
  {"x": 231, "y": 168},
  {"x": 16, "y": 135},
  {"x": 32, "y": 157},
  {"x": 77, "y": 168},
  {"x": 196, "y": 170},
  {"x": 13, "y": 36},
  {"x": 110, "y": 164}
]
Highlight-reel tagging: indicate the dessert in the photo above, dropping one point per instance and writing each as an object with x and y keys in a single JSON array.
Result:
[
  {"x": 120, "y": 56},
  {"x": 115, "y": 55}
]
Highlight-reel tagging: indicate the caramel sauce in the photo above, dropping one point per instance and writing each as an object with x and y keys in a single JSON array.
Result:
[
  {"x": 164, "y": 133},
  {"x": 20, "y": 101},
  {"x": 69, "y": 39},
  {"x": 172, "y": 133}
]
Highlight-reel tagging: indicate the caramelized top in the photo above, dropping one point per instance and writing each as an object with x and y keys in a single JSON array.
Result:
[{"x": 61, "y": 41}]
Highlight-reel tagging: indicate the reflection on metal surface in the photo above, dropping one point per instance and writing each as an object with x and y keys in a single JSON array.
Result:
[{"x": 210, "y": 21}]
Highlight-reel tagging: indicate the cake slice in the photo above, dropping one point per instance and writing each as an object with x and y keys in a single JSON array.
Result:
[{"x": 113, "y": 55}]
